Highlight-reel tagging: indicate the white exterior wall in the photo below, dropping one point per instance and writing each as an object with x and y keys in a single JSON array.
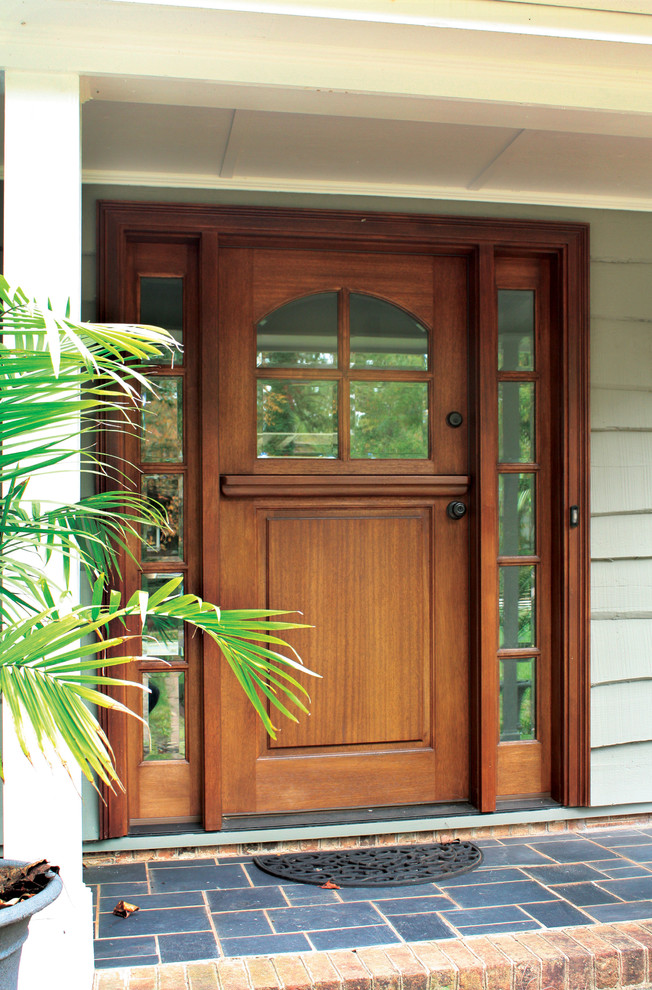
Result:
[{"x": 621, "y": 484}]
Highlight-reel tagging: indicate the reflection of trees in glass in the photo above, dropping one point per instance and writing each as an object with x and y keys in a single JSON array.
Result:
[
  {"x": 162, "y": 422},
  {"x": 516, "y": 422},
  {"x": 517, "y": 607},
  {"x": 297, "y": 419},
  {"x": 389, "y": 419},
  {"x": 385, "y": 336},
  {"x": 517, "y": 695},
  {"x": 160, "y": 544},
  {"x": 164, "y": 712},
  {"x": 516, "y": 514}
]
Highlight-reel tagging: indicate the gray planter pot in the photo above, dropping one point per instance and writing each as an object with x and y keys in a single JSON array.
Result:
[{"x": 13, "y": 926}]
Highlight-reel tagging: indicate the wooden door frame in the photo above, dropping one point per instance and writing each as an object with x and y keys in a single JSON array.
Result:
[{"x": 566, "y": 248}]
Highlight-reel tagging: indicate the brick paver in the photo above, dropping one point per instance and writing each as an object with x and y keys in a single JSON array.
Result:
[
  {"x": 385, "y": 974},
  {"x": 354, "y": 974}
]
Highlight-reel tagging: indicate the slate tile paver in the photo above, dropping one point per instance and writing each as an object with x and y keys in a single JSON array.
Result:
[
  {"x": 635, "y": 889},
  {"x": 147, "y": 902},
  {"x": 115, "y": 947},
  {"x": 118, "y": 963},
  {"x": 117, "y": 873},
  {"x": 567, "y": 873},
  {"x": 242, "y": 923},
  {"x": 639, "y": 854},
  {"x": 303, "y": 919},
  {"x": 583, "y": 894},
  {"x": 576, "y": 851},
  {"x": 245, "y": 899},
  {"x": 557, "y": 914},
  {"x": 258, "y": 945},
  {"x": 485, "y": 916},
  {"x": 158, "y": 922},
  {"x": 516, "y": 855},
  {"x": 351, "y": 938},
  {"x": 485, "y": 895},
  {"x": 187, "y": 947},
  {"x": 198, "y": 878},
  {"x": 627, "y": 911},
  {"x": 420, "y": 927}
]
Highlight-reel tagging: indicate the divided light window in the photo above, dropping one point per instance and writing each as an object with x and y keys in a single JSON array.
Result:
[{"x": 342, "y": 375}]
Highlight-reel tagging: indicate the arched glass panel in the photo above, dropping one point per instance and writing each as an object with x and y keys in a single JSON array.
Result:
[
  {"x": 384, "y": 336},
  {"x": 300, "y": 334}
]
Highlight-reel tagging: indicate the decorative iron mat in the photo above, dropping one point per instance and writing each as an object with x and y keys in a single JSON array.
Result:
[{"x": 380, "y": 866}]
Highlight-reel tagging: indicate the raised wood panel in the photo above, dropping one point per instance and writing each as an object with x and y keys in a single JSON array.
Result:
[
  {"x": 621, "y": 588},
  {"x": 520, "y": 766},
  {"x": 621, "y": 290},
  {"x": 621, "y": 352},
  {"x": 620, "y": 649},
  {"x": 621, "y": 409},
  {"x": 620, "y": 537},
  {"x": 372, "y": 644},
  {"x": 621, "y": 774},
  {"x": 276, "y": 281},
  {"x": 621, "y": 713},
  {"x": 360, "y": 780}
]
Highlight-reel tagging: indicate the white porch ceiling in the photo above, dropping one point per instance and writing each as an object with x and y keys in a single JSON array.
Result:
[
  {"x": 544, "y": 102},
  {"x": 212, "y": 147}
]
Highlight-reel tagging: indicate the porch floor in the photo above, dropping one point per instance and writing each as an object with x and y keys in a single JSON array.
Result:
[{"x": 225, "y": 908}]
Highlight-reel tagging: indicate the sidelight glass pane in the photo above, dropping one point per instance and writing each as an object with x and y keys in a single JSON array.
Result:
[
  {"x": 297, "y": 419},
  {"x": 164, "y": 713},
  {"x": 516, "y": 605},
  {"x": 516, "y": 514},
  {"x": 162, "y": 422},
  {"x": 517, "y": 700},
  {"x": 164, "y": 543},
  {"x": 161, "y": 305},
  {"x": 300, "y": 334},
  {"x": 516, "y": 329},
  {"x": 516, "y": 422},
  {"x": 163, "y": 636},
  {"x": 384, "y": 336},
  {"x": 389, "y": 419}
]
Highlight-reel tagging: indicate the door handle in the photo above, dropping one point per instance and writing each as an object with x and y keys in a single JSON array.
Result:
[{"x": 456, "y": 510}]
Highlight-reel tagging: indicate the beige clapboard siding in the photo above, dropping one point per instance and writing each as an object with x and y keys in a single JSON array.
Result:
[
  {"x": 620, "y": 409},
  {"x": 621, "y": 351},
  {"x": 621, "y": 650},
  {"x": 621, "y": 774},
  {"x": 628, "y": 721},
  {"x": 621, "y": 472},
  {"x": 622, "y": 588},
  {"x": 620, "y": 291},
  {"x": 621, "y": 537},
  {"x": 621, "y": 503}
]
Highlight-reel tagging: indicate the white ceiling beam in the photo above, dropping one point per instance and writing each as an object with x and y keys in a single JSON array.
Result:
[{"x": 492, "y": 167}]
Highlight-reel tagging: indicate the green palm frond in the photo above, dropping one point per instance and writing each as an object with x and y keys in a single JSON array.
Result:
[
  {"x": 57, "y": 377},
  {"x": 48, "y": 669}
]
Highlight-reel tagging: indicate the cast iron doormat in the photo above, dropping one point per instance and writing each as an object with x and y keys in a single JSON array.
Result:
[{"x": 379, "y": 866}]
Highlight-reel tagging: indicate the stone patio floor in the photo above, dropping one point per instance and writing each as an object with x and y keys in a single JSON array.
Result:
[{"x": 569, "y": 898}]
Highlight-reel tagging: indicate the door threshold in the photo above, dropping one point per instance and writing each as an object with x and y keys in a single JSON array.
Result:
[{"x": 347, "y": 816}]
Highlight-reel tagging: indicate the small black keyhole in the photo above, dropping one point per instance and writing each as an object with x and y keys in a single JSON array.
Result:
[
  {"x": 455, "y": 419},
  {"x": 456, "y": 510}
]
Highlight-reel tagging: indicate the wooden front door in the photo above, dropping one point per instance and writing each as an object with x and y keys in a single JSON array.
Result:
[
  {"x": 337, "y": 373},
  {"x": 380, "y": 422}
]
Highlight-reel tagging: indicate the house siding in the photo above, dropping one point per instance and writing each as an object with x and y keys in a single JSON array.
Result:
[{"x": 621, "y": 449}]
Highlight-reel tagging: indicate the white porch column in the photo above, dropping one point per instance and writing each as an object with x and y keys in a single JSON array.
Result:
[{"x": 42, "y": 253}]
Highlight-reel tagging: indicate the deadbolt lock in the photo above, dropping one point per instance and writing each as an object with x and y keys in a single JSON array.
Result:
[{"x": 456, "y": 510}]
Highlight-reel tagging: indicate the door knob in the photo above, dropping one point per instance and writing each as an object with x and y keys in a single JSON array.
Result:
[
  {"x": 455, "y": 419},
  {"x": 456, "y": 510}
]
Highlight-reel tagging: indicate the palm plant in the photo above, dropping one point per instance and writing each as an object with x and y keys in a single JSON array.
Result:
[{"x": 57, "y": 376}]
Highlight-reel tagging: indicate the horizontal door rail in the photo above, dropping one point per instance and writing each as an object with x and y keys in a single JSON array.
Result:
[{"x": 302, "y": 486}]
